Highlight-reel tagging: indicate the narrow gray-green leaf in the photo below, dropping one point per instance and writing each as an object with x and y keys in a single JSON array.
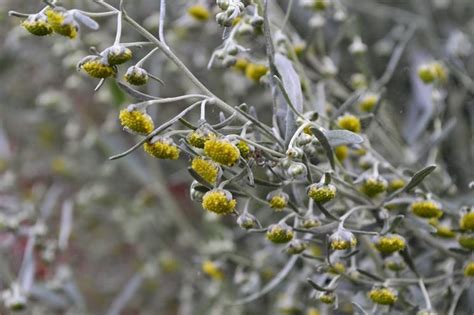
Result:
[
  {"x": 317, "y": 287},
  {"x": 342, "y": 137},
  {"x": 326, "y": 146},
  {"x": 418, "y": 178}
]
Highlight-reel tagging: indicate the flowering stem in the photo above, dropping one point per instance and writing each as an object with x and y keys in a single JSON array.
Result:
[
  {"x": 118, "y": 35},
  {"x": 161, "y": 33}
]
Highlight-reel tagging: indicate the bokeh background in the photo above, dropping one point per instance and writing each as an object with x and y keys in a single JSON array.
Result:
[{"x": 123, "y": 236}]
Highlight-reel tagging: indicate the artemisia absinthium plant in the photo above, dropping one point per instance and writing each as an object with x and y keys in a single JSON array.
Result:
[{"x": 363, "y": 232}]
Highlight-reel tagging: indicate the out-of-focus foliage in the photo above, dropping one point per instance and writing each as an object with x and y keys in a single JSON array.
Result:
[{"x": 348, "y": 105}]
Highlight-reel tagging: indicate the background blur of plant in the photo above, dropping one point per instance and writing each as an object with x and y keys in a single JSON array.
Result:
[{"x": 80, "y": 234}]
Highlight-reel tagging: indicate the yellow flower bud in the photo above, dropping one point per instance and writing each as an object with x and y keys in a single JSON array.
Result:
[
  {"x": 162, "y": 148},
  {"x": 349, "y": 122},
  {"x": 368, "y": 102},
  {"x": 222, "y": 151},
  {"x": 255, "y": 71},
  {"x": 469, "y": 269},
  {"x": 117, "y": 54},
  {"x": 278, "y": 200},
  {"x": 241, "y": 64},
  {"x": 389, "y": 244},
  {"x": 383, "y": 296},
  {"x": 62, "y": 22},
  {"x": 442, "y": 230},
  {"x": 396, "y": 184},
  {"x": 426, "y": 209},
  {"x": 136, "y": 121},
  {"x": 467, "y": 241},
  {"x": 211, "y": 269},
  {"x": 244, "y": 148},
  {"x": 327, "y": 297},
  {"x": 467, "y": 221},
  {"x": 97, "y": 67},
  {"x": 207, "y": 169},
  {"x": 136, "y": 76},
  {"x": 199, "y": 137},
  {"x": 279, "y": 233},
  {"x": 37, "y": 24},
  {"x": 199, "y": 12},
  {"x": 426, "y": 73},
  {"x": 321, "y": 193},
  {"x": 342, "y": 240},
  {"x": 341, "y": 152},
  {"x": 219, "y": 201},
  {"x": 374, "y": 185}
]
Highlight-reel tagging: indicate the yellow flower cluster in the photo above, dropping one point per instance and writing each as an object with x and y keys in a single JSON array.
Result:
[
  {"x": 368, "y": 102},
  {"x": 255, "y": 71},
  {"x": 372, "y": 186},
  {"x": 118, "y": 54},
  {"x": 162, "y": 148},
  {"x": 442, "y": 230},
  {"x": 96, "y": 67},
  {"x": 396, "y": 184},
  {"x": 321, "y": 193},
  {"x": 212, "y": 270},
  {"x": 469, "y": 269},
  {"x": 136, "y": 121},
  {"x": 467, "y": 241},
  {"x": 221, "y": 151},
  {"x": 136, "y": 75},
  {"x": 199, "y": 12},
  {"x": 349, "y": 122},
  {"x": 426, "y": 209},
  {"x": 389, "y": 244},
  {"x": 206, "y": 169},
  {"x": 383, "y": 296},
  {"x": 38, "y": 25},
  {"x": 467, "y": 221},
  {"x": 432, "y": 72},
  {"x": 62, "y": 23},
  {"x": 342, "y": 240},
  {"x": 327, "y": 297},
  {"x": 219, "y": 201},
  {"x": 278, "y": 202},
  {"x": 244, "y": 148},
  {"x": 279, "y": 233}
]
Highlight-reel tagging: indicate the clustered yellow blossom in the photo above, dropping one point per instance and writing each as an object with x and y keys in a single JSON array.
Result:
[
  {"x": 255, "y": 71},
  {"x": 442, "y": 230},
  {"x": 349, "y": 122},
  {"x": 199, "y": 12},
  {"x": 426, "y": 209},
  {"x": 162, "y": 148},
  {"x": 327, "y": 297},
  {"x": 62, "y": 22},
  {"x": 97, "y": 67},
  {"x": 431, "y": 72},
  {"x": 321, "y": 193},
  {"x": 118, "y": 54},
  {"x": 136, "y": 121},
  {"x": 389, "y": 244},
  {"x": 221, "y": 151},
  {"x": 467, "y": 241},
  {"x": 244, "y": 148},
  {"x": 467, "y": 221},
  {"x": 279, "y": 233},
  {"x": 219, "y": 201},
  {"x": 341, "y": 152},
  {"x": 396, "y": 184},
  {"x": 374, "y": 185},
  {"x": 383, "y": 296},
  {"x": 342, "y": 240},
  {"x": 368, "y": 102},
  {"x": 207, "y": 169},
  {"x": 211, "y": 269},
  {"x": 37, "y": 24},
  {"x": 469, "y": 269},
  {"x": 278, "y": 200},
  {"x": 136, "y": 75}
]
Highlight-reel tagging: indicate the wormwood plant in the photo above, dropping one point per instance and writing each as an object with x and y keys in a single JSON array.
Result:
[{"x": 319, "y": 181}]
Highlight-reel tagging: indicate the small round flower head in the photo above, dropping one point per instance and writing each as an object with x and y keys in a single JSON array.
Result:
[
  {"x": 374, "y": 185},
  {"x": 136, "y": 121},
  {"x": 244, "y": 148},
  {"x": 396, "y": 184},
  {"x": 197, "y": 191},
  {"x": 327, "y": 297},
  {"x": 221, "y": 151},
  {"x": 442, "y": 230},
  {"x": 62, "y": 22},
  {"x": 336, "y": 268},
  {"x": 219, "y": 201},
  {"x": 205, "y": 168},
  {"x": 395, "y": 263},
  {"x": 426, "y": 209},
  {"x": 389, "y": 244},
  {"x": 117, "y": 54},
  {"x": 426, "y": 73},
  {"x": 341, "y": 152},
  {"x": 278, "y": 200},
  {"x": 280, "y": 233},
  {"x": 199, "y": 12},
  {"x": 349, "y": 122},
  {"x": 162, "y": 148},
  {"x": 467, "y": 221},
  {"x": 241, "y": 64},
  {"x": 383, "y": 296},
  {"x": 368, "y": 102},
  {"x": 212, "y": 269},
  {"x": 320, "y": 5},
  {"x": 439, "y": 71},
  {"x": 97, "y": 67},
  {"x": 467, "y": 241},
  {"x": 297, "y": 170},
  {"x": 136, "y": 75},
  {"x": 198, "y": 137},
  {"x": 321, "y": 192},
  {"x": 309, "y": 223},
  {"x": 342, "y": 240},
  {"x": 255, "y": 71},
  {"x": 247, "y": 221},
  {"x": 469, "y": 269},
  {"x": 296, "y": 247},
  {"x": 37, "y": 24},
  {"x": 358, "y": 81}
]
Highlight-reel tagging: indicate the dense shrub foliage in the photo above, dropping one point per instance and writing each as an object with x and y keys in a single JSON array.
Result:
[{"x": 265, "y": 157}]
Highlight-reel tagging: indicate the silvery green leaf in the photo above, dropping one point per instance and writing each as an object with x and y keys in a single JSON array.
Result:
[
  {"x": 84, "y": 19},
  {"x": 418, "y": 177},
  {"x": 320, "y": 135},
  {"x": 342, "y": 137}
]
